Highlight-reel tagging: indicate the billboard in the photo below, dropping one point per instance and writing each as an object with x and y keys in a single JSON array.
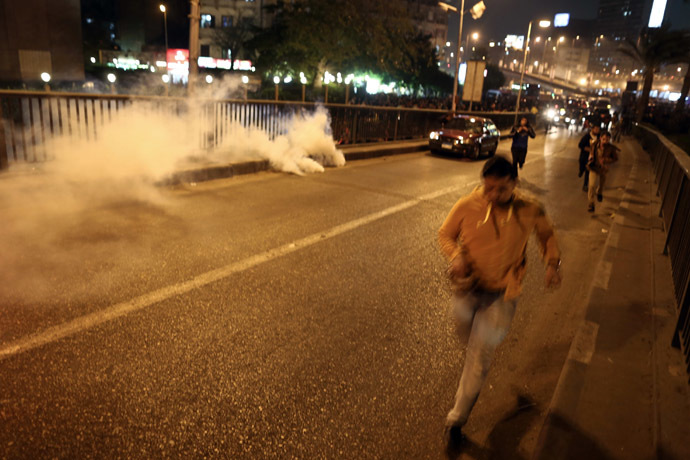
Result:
[
  {"x": 474, "y": 82},
  {"x": 561, "y": 20},
  {"x": 515, "y": 41},
  {"x": 656, "y": 17}
]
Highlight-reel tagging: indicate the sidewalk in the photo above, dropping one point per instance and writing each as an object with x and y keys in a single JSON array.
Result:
[{"x": 623, "y": 393}]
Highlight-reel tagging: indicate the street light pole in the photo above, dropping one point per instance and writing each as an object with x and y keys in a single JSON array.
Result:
[
  {"x": 522, "y": 74},
  {"x": 165, "y": 27},
  {"x": 194, "y": 18},
  {"x": 457, "y": 56}
]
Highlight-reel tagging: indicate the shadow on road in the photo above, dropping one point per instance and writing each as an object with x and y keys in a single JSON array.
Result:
[
  {"x": 531, "y": 187},
  {"x": 504, "y": 440}
]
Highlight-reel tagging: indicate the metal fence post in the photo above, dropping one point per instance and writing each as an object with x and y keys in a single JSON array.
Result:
[
  {"x": 395, "y": 131},
  {"x": 4, "y": 160}
]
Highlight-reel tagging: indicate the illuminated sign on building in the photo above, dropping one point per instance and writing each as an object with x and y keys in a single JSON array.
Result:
[
  {"x": 178, "y": 60},
  {"x": 656, "y": 17},
  {"x": 515, "y": 41},
  {"x": 561, "y": 20}
]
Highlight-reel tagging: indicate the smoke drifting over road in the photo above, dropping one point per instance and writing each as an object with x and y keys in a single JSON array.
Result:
[{"x": 87, "y": 179}]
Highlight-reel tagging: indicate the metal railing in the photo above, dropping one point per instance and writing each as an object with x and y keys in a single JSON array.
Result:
[
  {"x": 672, "y": 176},
  {"x": 29, "y": 119}
]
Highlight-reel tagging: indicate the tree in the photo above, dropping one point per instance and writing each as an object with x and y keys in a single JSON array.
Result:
[
  {"x": 313, "y": 36},
  {"x": 653, "y": 49},
  {"x": 234, "y": 37}
]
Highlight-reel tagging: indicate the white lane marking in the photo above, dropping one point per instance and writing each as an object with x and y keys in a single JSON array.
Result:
[
  {"x": 603, "y": 274},
  {"x": 585, "y": 341},
  {"x": 112, "y": 312}
]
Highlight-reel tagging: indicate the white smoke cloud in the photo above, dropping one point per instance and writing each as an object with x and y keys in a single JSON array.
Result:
[{"x": 42, "y": 203}]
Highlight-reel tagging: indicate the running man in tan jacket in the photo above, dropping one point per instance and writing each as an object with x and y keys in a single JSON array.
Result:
[{"x": 484, "y": 239}]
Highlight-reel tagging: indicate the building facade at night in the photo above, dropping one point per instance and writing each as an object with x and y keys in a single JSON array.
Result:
[
  {"x": 224, "y": 22},
  {"x": 40, "y": 36},
  {"x": 616, "y": 21}
]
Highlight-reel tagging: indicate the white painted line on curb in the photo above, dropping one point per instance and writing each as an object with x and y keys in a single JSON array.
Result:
[
  {"x": 112, "y": 312},
  {"x": 584, "y": 343},
  {"x": 603, "y": 274},
  {"x": 614, "y": 237}
]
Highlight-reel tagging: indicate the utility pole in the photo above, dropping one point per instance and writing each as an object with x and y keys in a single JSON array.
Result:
[
  {"x": 457, "y": 55},
  {"x": 194, "y": 19}
]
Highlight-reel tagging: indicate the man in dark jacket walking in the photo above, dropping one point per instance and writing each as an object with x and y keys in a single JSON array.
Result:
[
  {"x": 585, "y": 145},
  {"x": 520, "y": 134}
]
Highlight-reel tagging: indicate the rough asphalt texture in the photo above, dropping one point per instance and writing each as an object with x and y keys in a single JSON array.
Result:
[{"x": 341, "y": 349}]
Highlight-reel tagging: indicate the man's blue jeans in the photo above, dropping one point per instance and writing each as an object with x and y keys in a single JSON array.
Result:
[{"x": 485, "y": 317}]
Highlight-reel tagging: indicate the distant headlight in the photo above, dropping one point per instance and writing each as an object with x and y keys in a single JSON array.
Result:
[
  {"x": 433, "y": 135},
  {"x": 551, "y": 113},
  {"x": 556, "y": 118},
  {"x": 457, "y": 141},
  {"x": 567, "y": 119}
]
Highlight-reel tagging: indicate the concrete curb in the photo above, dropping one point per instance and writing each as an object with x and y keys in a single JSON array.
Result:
[
  {"x": 352, "y": 153},
  {"x": 554, "y": 434}
]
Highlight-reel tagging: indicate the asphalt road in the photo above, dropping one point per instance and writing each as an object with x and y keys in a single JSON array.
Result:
[{"x": 272, "y": 316}]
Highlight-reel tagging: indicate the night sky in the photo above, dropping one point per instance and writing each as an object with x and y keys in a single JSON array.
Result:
[{"x": 503, "y": 17}]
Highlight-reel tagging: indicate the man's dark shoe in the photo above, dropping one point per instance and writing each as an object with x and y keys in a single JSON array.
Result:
[
  {"x": 600, "y": 197},
  {"x": 454, "y": 440},
  {"x": 590, "y": 208},
  {"x": 580, "y": 174},
  {"x": 585, "y": 188}
]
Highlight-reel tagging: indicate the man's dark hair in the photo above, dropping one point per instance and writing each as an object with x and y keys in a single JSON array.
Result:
[
  {"x": 605, "y": 133},
  {"x": 499, "y": 167}
]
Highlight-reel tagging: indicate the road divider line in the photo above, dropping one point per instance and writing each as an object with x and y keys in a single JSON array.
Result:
[{"x": 119, "y": 310}]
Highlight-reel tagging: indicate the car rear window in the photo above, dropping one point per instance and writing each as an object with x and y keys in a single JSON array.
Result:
[{"x": 465, "y": 124}]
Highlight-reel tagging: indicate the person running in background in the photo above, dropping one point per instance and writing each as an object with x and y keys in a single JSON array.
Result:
[
  {"x": 484, "y": 238},
  {"x": 603, "y": 154},
  {"x": 585, "y": 146},
  {"x": 616, "y": 128},
  {"x": 520, "y": 134}
]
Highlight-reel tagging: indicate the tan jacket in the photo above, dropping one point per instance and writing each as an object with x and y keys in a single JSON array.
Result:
[
  {"x": 601, "y": 157},
  {"x": 494, "y": 240}
]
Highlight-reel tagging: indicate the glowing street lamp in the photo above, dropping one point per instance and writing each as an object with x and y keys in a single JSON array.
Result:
[
  {"x": 112, "y": 78},
  {"x": 276, "y": 81},
  {"x": 348, "y": 80},
  {"x": 166, "y": 80},
  {"x": 245, "y": 80},
  {"x": 543, "y": 24},
  {"x": 303, "y": 81},
  {"x": 45, "y": 76}
]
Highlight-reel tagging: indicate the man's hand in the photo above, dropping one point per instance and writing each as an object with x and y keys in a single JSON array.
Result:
[
  {"x": 552, "y": 277},
  {"x": 458, "y": 268}
]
